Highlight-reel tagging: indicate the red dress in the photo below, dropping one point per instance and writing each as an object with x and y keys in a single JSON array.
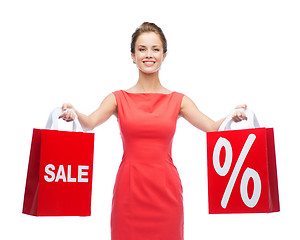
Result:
[{"x": 147, "y": 198}]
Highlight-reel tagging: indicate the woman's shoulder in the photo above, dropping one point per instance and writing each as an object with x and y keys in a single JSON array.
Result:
[{"x": 110, "y": 98}]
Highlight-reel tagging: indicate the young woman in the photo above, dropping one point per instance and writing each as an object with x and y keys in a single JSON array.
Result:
[{"x": 147, "y": 198}]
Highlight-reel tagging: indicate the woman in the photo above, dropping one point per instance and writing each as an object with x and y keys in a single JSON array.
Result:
[{"x": 147, "y": 201}]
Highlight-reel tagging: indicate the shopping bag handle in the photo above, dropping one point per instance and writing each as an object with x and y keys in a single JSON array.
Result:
[
  {"x": 53, "y": 120},
  {"x": 251, "y": 119}
]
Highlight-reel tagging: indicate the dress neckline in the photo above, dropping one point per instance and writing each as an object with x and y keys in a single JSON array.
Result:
[{"x": 149, "y": 93}]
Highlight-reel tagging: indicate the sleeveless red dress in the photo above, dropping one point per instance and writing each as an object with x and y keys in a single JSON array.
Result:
[{"x": 147, "y": 198}]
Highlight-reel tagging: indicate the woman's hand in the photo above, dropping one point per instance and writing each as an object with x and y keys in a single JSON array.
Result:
[
  {"x": 68, "y": 115},
  {"x": 239, "y": 115},
  {"x": 191, "y": 113},
  {"x": 107, "y": 108}
]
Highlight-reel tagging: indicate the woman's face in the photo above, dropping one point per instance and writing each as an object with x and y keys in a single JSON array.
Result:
[{"x": 148, "y": 54}]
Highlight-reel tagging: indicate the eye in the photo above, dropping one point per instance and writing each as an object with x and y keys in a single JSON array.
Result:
[
  {"x": 156, "y": 49},
  {"x": 142, "y": 49}
]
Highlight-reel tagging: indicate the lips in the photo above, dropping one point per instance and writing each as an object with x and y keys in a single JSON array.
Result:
[{"x": 149, "y": 63}]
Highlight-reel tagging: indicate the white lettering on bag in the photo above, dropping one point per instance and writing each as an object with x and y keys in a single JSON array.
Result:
[
  {"x": 50, "y": 175},
  {"x": 49, "y": 172},
  {"x": 70, "y": 179},
  {"x": 81, "y": 173},
  {"x": 61, "y": 174}
]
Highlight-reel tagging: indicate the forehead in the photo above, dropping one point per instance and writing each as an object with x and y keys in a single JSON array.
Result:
[{"x": 149, "y": 39}]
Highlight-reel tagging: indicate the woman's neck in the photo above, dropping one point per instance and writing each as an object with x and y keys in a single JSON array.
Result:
[{"x": 149, "y": 83}]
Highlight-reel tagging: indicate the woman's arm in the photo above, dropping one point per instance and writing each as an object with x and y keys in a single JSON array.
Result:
[
  {"x": 107, "y": 108},
  {"x": 191, "y": 113}
]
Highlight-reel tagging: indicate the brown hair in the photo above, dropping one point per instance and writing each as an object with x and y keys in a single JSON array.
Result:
[{"x": 148, "y": 27}]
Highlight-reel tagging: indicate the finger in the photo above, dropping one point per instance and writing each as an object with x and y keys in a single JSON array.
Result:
[
  {"x": 244, "y": 106},
  {"x": 239, "y": 116},
  {"x": 236, "y": 114},
  {"x": 62, "y": 115},
  {"x": 67, "y": 115},
  {"x": 237, "y": 119},
  {"x": 70, "y": 115},
  {"x": 65, "y": 106},
  {"x": 244, "y": 117}
]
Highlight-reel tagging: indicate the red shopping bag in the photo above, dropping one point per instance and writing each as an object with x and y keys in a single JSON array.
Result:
[
  {"x": 242, "y": 175},
  {"x": 59, "y": 178}
]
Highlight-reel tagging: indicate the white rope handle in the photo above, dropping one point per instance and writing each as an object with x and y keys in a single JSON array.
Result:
[
  {"x": 53, "y": 120},
  {"x": 251, "y": 119}
]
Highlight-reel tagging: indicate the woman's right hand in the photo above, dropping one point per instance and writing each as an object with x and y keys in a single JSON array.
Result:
[{"x": 69, "y": 112}]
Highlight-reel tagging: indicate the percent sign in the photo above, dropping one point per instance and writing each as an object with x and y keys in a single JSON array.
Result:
[{"x": 249, "y": 173}]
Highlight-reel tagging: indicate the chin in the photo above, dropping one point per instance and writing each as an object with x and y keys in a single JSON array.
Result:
[{"x": 149, "y": 71}]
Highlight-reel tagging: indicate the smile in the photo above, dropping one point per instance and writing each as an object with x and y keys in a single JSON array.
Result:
[{"x": 149, "y": 63}]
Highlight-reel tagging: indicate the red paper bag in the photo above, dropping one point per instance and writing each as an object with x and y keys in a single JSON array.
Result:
[
  {"x": 242, "y": 175},
  {"x": 59, "y": 178}
]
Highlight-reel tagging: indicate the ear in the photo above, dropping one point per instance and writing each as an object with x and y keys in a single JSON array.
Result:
[
  {"x": 164, "y": 56},
  {"x": 133, "y": 58}
]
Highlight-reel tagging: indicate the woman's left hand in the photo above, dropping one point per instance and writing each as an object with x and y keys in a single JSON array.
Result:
[{"x": 239, "y": 115}]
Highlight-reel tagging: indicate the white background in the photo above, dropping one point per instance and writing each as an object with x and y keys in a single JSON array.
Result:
[{"x": 221, "y": 53}]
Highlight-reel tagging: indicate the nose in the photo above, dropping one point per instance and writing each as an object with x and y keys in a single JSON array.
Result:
[{"x": 149, "y": 53}]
